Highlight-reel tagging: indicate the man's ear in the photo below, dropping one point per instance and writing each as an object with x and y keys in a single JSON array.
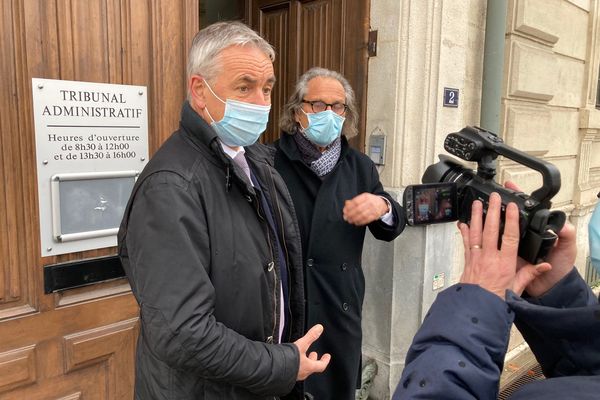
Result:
[{"x": 197, "y": 89}]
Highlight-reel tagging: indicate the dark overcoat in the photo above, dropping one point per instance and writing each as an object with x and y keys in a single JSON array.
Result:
[{"x": 332, "y": 251}]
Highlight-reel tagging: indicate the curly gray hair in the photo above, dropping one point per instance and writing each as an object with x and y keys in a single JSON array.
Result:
[
  {"x": 209, "y": 42},
  {"x": 287, "y": 121}
]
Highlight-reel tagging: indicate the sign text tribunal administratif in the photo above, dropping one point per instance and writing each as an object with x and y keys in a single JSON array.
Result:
[{"x": 104, "y": 105}]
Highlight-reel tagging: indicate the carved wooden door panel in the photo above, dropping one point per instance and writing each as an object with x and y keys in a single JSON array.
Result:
[
  {"x": 326, "y": 33},
  {"x": 77, "y": 343}
]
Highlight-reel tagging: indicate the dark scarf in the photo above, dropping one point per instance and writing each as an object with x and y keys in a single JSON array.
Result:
[{"x": 320, "y": 163}]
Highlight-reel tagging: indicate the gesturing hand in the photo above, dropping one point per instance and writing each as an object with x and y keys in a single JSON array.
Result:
[
  {"x": 364, "y": 209},
  {"x": 492, "y": 269},
  {"x": 310, "y": 364}
]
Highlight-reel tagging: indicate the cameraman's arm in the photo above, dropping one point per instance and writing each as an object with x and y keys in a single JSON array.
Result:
[
  {"x": 562, "y": 325},
  {"x": 566, "y": 341},
  {"x": 459, "y": 350},
  {"x": 561, "y": 318}
]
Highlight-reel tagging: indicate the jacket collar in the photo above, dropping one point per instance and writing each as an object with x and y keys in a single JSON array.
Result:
[
  {"x": 261, "y": 153},
  {"x": 196, "y": 126}
]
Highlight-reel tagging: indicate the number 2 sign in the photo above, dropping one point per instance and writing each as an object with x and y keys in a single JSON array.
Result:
[{"x": 450, "y": 97}]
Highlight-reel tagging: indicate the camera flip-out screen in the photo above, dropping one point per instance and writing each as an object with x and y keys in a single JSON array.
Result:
[{"x": 430, "y": 203}]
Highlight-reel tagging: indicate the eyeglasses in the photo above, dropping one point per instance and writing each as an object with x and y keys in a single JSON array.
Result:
[{"x": 320, "y": 106}]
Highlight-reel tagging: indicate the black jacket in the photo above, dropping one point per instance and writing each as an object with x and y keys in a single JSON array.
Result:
[
  {"x": 332, "y": 251},
  {"x": 198, "y": 255}
]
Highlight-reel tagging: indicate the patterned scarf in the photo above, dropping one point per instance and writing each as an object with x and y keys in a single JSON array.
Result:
[{"x": 320, "y": 163}]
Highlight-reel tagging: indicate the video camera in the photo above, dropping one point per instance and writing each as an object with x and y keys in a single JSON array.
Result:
[{"x": 450, "y": 188}]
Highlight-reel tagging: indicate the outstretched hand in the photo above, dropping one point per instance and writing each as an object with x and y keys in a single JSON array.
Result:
[
  {"x": 487, "y": 266},
  {"x": 310, "y": 364}
]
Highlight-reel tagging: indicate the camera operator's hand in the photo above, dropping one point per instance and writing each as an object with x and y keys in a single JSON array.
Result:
[
  {"x": 561, "y": 257},
  {"x": 364, "y": 209},
  {"x": 485, "y": 265}
]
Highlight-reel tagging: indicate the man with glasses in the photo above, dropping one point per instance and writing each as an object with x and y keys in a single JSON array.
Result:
[{"x": 336, "y": 193}]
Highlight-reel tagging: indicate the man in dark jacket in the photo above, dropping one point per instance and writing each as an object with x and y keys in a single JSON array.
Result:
[
  {"x": 210, "y": 242},
  {"x": 337, "y": 195},
  {"x": 458, "y": 352}
]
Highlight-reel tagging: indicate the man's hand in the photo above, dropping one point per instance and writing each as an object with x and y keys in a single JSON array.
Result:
[
  {"x": 561, "y": 257},
  {"x": 364, "y": 209},
  {"x": 310, "y": 364},
  {"x": 492, "y": 269}
]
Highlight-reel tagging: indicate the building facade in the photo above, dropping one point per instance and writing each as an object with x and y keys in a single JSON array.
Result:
[
  {"x": 548, "y": 108},
  {"x": 78, "y": 342}
]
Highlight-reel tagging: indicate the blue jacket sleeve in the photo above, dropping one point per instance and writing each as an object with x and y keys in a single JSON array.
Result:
[
  {"x": 562, "y": 327},
  {"x": 594, "y": 237},
  {"x": 458, "y": 353}
]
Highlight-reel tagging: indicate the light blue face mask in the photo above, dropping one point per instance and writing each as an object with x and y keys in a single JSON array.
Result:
[
  {"x": 242, "y": 123},
  {"x": 323, "y": 127}
]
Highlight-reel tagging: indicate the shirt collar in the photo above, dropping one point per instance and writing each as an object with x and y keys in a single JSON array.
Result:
[{"x": 231, "y": 152}]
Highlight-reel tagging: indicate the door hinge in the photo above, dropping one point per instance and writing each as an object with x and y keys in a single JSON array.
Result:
[{"x": 372, "y": 45}]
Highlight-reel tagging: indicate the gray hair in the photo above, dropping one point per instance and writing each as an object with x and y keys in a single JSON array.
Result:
[
  {"x": 209, "y": 42},
  {"x": 288, "y": 123}
]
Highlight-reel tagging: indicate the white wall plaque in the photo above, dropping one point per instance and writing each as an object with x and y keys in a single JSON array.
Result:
[{"x": 91, "y": 143}]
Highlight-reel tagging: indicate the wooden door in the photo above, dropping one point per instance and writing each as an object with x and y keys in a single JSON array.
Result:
[
  {"x": 308, "y": 33},
  {"x": 78, "y": 343}
]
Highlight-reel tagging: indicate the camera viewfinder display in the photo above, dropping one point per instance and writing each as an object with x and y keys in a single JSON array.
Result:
[{"x": 430, "y": 203}]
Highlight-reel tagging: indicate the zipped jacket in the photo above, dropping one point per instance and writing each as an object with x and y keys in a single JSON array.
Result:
[{"x": 201, "y": 260}]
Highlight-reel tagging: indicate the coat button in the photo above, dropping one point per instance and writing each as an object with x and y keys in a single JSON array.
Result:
[
  {"x": 344, "y": 266},
  {"x": 270, "y": 340},
  {"x": 248, "y": 199},
  {"x": 270, "y": 266},
  {"x": 345, "y": 306},
  {"x": 310, "y": 262}
]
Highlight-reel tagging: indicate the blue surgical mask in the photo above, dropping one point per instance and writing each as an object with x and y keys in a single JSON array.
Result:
[
  {"x": 323, "y": 127},
  {"x": 242, "y": 123}
]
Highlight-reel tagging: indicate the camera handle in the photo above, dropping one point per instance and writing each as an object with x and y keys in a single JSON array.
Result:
[
  {"x": 544, "y": 226},
  {"x": 550, "y": 174}
]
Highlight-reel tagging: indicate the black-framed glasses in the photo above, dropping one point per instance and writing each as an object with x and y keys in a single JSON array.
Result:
[{"x": 320, "y": 106}]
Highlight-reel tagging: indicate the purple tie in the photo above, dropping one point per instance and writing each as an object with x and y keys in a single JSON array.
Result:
[{"x": 240, "y": 160}]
